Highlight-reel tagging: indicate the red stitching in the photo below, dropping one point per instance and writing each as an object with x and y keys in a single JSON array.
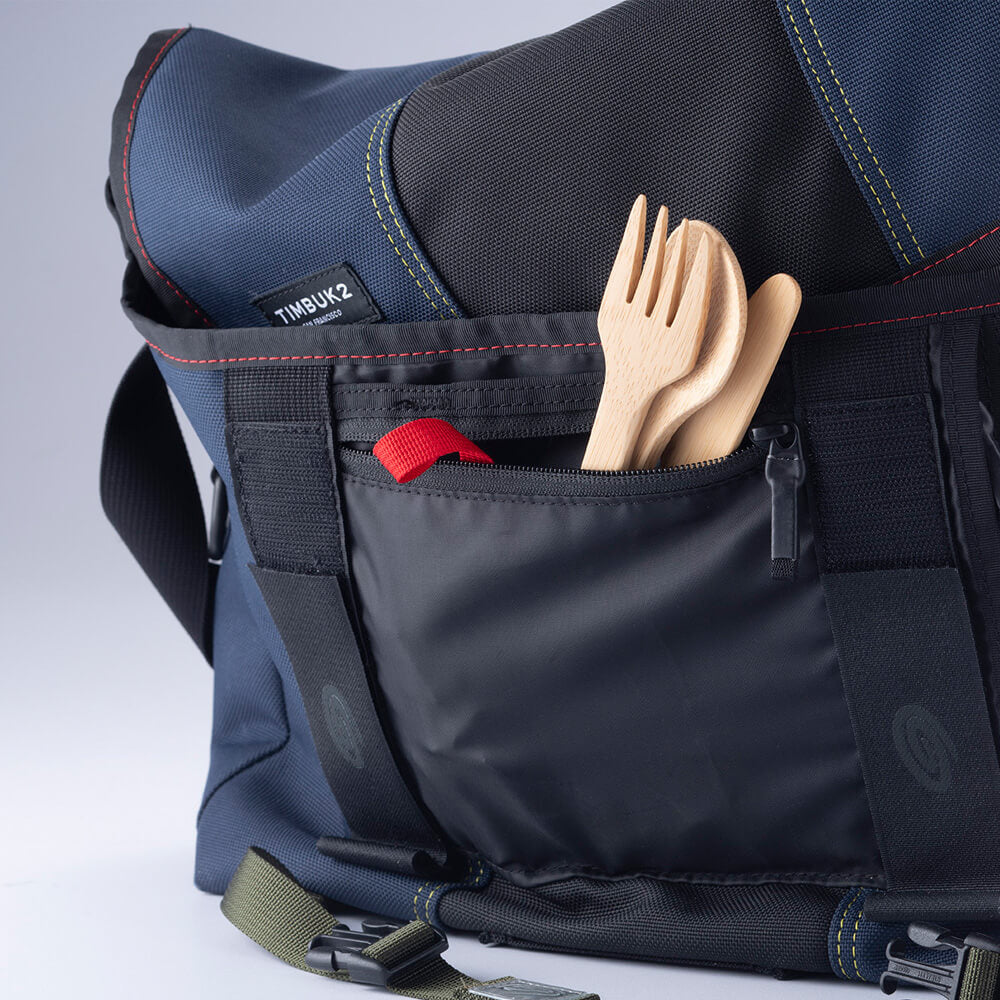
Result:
[
  {"x": 128, "y": 196},
  {"x": 900, "y": 319},
  {"x": 954, "y": 253},
  {"x": 513, "y": 347},
  {"x": 361, "y": 357}
]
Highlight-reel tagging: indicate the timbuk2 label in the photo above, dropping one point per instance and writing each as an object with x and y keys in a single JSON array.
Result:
[{"x": 335, "y": 295}]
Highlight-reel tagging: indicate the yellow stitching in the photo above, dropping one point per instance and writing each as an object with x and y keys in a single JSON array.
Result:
[
  {"x": 833, "y": 112},
  {"x": 427, "y": 902},
  {"x": 371, "y": 191},
  {"x": 854, "y": 943},
  {"x": 392, "y": 211},
  {"x": 416, "y": 899},
  {"x": 840, "y": 931},
  {"x": 481, "y": 873},
  {"x": 864, "y": 138}
]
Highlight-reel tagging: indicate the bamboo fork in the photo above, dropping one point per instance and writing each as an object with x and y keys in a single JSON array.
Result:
[
  {"x": 726, "y": 324},
  {"x": 651, "y": 321}
]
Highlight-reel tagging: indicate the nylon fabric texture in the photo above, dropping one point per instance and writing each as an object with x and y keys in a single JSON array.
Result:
[
  {"x": 921, "y": 146},
  {"x": 569, "y": 127},
  {"x": 764, "y": 927},
  {"x": 228, "y": 210}
]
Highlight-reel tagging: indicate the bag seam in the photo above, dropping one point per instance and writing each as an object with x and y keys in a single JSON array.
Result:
[
  {"x": 954, "y": 253},
  {"x": 512, "y": 347},
  {"x": 157, "y": 59},
  {"x": 259, "y": 759},
  {"x": 861, "y": 131},
  {"x": 720, "y": 878},
  {"x": 386, "y": 117},
  {"x": 899, "y": 319},
  {"x": 843, "y": 132},
  {"x": 369, "y": 357},
  {"x": 848, "y": 906},
  {"x": 473, "y": 880},
  {"x": 854, "y": 938},
  {"x": 458, "y": 388}
]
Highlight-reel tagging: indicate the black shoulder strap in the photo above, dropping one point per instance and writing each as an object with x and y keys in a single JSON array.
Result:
[{"x": 149, "y": 493}]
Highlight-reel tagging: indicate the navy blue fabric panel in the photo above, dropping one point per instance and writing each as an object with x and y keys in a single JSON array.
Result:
[
  {"x": 856, "y": 945},
  {"x": 248, "y": 707},
  {"x": 200, "y": 396},
  {"x": 910, "y": 92},
  {"x": 250, "y": 169}
]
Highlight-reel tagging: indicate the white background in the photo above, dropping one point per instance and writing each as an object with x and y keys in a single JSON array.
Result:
[{"x": 105, "y": 705}]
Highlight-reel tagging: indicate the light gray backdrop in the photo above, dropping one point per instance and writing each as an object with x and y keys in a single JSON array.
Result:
[{"x": 105, "y": 705}]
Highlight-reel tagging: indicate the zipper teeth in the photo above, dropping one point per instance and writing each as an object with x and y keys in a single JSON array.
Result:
[
  {"x": 590, "y": 473},
  {"x": 608, "y": 473}
]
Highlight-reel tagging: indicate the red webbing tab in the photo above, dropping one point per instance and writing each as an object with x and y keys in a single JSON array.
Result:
[{"x": 410, "y": 450}]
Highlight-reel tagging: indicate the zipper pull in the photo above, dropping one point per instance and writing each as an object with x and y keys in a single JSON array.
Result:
[{"x": 785, "y": 471}]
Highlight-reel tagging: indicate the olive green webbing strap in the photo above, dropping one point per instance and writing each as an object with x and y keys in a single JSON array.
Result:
[
  {"x": 269, "y": 906},
  {"x": 266, "y": 903},
  {"x": 981, "y": 980}
]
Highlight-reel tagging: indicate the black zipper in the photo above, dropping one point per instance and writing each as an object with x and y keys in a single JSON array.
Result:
[
  {"x": 461, "y": 476},
  {"x": 784, "y": 469},
  {"x": 612, "y": 473}
]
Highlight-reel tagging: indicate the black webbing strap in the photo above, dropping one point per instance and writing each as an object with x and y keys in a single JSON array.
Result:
[
  {"x": 149, "y": 494},
  {"x": 279, "y": 432},
  {"x": 900, "y": 619},
  {"x": 268, "y": 905}
]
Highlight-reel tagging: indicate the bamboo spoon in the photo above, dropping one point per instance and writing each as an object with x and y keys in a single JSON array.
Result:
[
  {"x": 724, "y": 329},
  {"x": 651, "y": 326},
  {"x": 719, "y": 426}
]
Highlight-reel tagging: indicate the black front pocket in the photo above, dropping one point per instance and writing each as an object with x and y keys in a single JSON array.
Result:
[{"x": 596, "y": 672}]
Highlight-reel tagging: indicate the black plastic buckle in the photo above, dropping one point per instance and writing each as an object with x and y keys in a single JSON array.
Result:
[
  {"x": 340, "y": 951},
  {"x": 943, "y": 979}
]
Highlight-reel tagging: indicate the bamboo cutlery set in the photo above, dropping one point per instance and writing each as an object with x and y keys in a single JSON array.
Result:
[{"x": 686, "y": 357}]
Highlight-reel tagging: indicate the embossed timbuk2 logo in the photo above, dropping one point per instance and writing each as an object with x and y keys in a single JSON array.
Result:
[
  {"x": 342, "y": 728},
  {"x": 924, "y": 747},
  {"x": 522, "y": 989}
]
